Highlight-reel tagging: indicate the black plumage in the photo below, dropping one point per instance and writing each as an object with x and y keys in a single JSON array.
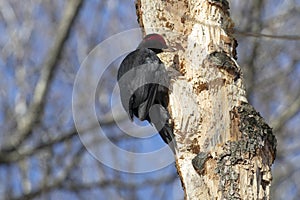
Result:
[{"x": 144, "y": 82}]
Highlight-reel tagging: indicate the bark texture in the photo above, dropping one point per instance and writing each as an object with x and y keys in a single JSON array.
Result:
[{"x": 225, "y": 148}]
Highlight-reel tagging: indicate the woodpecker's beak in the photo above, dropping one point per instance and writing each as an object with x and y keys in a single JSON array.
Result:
[
  {"x": 176, "y": 47},
  {"x": 169, "y": 49}
]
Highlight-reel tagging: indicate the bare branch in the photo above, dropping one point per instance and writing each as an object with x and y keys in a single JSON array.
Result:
[
  {"x": 13, "y": 156},
  {"x": 27, "y": 122},
  {"x": 58, "y": 180},
  {"x": 286, "y": 115},
  {"x": 259, "y": 35}
]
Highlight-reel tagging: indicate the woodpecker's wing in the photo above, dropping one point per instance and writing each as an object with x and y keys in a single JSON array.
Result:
[{"x": 139, "y": 75}]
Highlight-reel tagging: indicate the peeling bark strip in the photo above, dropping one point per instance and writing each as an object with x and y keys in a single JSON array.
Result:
[{"x": 225, "y": 148}]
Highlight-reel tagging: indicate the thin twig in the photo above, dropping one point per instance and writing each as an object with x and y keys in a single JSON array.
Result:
[{"x": 260, "y": 35}]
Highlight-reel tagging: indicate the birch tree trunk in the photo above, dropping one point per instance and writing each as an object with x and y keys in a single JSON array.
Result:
[{"x": 225, "y": 149}]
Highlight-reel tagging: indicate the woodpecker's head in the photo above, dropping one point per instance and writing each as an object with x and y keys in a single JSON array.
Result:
[{"x": 153, "y": 41}]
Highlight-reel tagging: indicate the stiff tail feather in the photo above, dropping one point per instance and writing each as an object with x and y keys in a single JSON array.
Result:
[{"x": 167, "y": 135}]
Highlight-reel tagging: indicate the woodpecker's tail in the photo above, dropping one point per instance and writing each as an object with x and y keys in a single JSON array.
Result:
[
  {"x": 159, "y": 117},
  {"x": 167, "y": 135}
]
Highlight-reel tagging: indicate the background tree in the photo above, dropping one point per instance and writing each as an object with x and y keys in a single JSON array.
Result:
[{"x": 51, "y": 161}]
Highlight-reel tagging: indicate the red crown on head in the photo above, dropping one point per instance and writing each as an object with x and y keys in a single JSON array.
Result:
[{"x": 153, "y": 41}]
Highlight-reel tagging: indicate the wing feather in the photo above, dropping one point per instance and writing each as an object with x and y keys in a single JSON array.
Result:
[{"x": 139, "y": 77}]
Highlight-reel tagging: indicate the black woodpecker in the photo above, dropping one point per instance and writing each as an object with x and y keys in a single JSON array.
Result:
[{"x": 143, "y": 83}]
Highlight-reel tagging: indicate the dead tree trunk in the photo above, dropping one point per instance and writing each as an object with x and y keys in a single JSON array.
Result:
[{"x": 225, "y": 148}]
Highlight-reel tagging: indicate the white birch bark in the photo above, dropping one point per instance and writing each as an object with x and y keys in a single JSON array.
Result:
[{"x": 225, "y": 148}]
